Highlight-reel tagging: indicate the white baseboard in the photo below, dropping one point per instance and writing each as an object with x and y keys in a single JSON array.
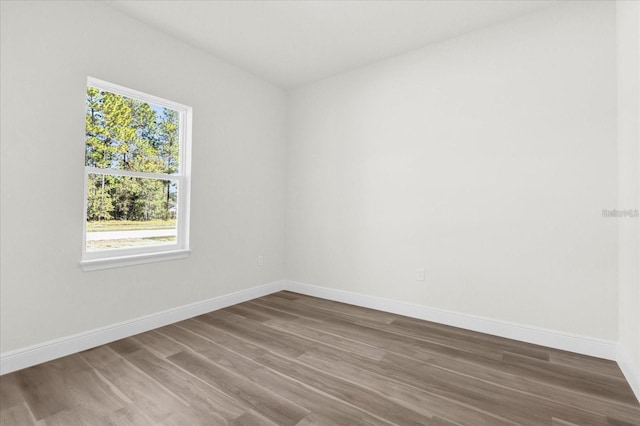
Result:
[
  {"x": 29, "y": 356},
  {"x": 631, "y": 372},
  {"x": 551, "y": 338},
  {"x": 36, "y": 354}
]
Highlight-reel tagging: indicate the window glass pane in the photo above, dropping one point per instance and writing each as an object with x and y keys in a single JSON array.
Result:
[
  {"x": 129, "y": 134},
  {"x": 126, "y": 212}
]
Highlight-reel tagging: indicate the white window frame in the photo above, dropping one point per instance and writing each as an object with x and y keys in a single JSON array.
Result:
[{"x": 136, "y": 255}]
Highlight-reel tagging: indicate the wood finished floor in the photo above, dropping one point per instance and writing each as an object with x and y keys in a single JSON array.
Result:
[{"x": 289, "y": 359}]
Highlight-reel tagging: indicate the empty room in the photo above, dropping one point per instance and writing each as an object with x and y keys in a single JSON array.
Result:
[{"x": 320, "y": 212}]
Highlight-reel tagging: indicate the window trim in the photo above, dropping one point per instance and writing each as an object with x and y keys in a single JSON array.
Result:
[{"x": 138, "y": 255}]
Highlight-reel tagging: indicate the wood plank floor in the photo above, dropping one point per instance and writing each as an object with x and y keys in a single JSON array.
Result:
[{"x": 289, "y": 359}]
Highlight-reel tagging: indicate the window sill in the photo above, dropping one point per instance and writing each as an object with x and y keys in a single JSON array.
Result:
[{"x": 117, "y": 262}]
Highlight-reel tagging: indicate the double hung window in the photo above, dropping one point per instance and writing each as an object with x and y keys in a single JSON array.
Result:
[{"x": 137, "y": 177}]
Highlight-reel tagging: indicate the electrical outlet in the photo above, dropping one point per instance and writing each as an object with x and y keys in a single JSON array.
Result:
[
  {"x": 260, "y": 260},
  {"x": 420, "y": 274}
]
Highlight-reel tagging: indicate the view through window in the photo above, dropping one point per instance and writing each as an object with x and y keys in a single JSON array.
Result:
[{"x": 135, "y": 172}]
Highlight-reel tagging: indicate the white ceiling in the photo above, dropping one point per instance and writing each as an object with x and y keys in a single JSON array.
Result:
[{"x": 291, "y": 43}]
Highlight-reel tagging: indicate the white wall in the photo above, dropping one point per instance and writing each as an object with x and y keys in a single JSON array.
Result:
[
  {"x": 486, "y": 159},
  {"x": 48, "y": 49},
  {"x": 628, "y": 26}
]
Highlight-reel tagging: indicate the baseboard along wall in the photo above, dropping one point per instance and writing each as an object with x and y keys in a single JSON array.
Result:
[
  {"x": 36, "y": 354},
  {"x": 630, "y": 372},
  {"x": 26, "y": 357},
  {"x": 554, "y": 339}
]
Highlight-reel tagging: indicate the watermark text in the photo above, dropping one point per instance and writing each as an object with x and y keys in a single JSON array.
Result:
[{"x": 620, "y": 213}]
